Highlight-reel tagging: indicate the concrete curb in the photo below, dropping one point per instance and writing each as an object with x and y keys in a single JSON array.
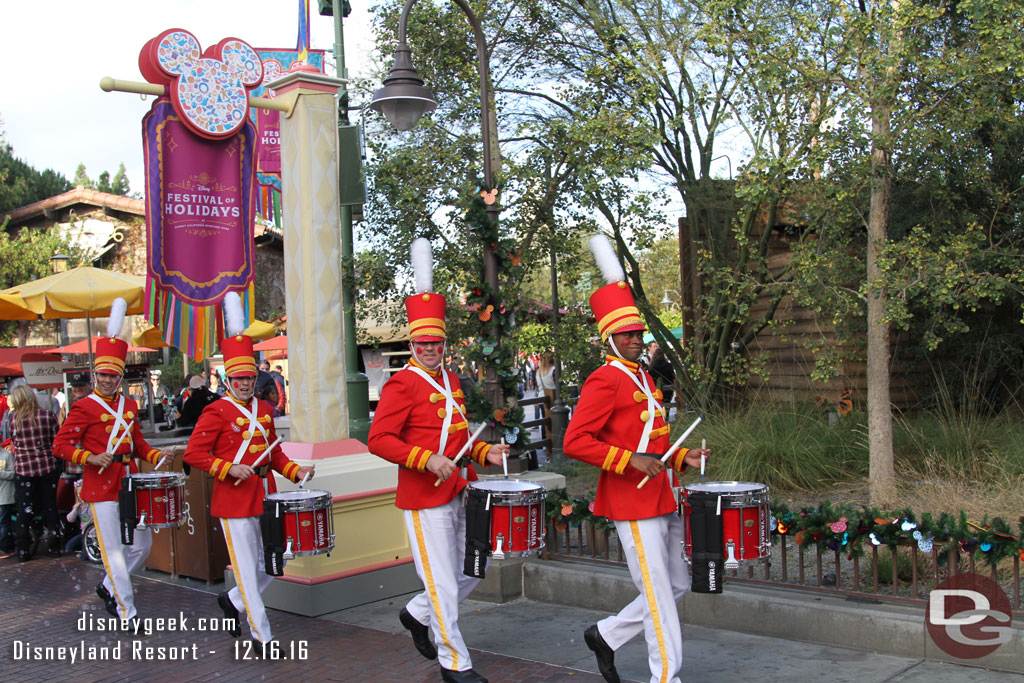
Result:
[{"x": 793, "y": 614}]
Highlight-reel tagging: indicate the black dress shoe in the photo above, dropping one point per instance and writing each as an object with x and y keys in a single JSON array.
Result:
[
  {"x": 230, "y": 612},
  {"x": 107, "y": 598},
  {"x": 467, "y": 676},
  {"x": 605, "y": 655},
  {"x": 420, "y": 636}
]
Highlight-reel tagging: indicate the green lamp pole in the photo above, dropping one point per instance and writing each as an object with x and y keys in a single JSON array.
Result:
[{"x": 351, "y": 193}]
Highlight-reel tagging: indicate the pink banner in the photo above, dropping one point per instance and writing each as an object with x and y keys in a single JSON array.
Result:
[
  {"x": 199, "y": 208},
  {"x": 268, "y": 148}
]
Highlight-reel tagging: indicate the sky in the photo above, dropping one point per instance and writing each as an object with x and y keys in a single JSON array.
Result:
[{"x": 52, "y": 110}]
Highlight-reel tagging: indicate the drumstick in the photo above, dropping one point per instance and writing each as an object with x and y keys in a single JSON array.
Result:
[
  {"x": 262, "y": 455},
  {"x": 504, "y": 459},
  {"x": 116, "y": 445},
  {"x": 672, "y": 450},
  {"x": 304, "y": 479},
  {"x": 465, "y": 447},
  {"x": 703, "y": 445}
]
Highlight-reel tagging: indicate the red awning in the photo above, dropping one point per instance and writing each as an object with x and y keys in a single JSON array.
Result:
[{"x": 10, "y": 359}]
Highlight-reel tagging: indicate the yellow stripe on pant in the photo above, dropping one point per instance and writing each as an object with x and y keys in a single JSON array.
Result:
[
  {"x": 428, "y": 579},
  {"x": 652, "y": 603},
  {"x": 238, "y": 579}
]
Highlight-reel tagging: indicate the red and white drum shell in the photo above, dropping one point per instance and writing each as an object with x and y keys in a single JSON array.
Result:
[
  {"x": 308, "y": 517},
  {"x": 517, "y": 515},
  {"x": 158, "y": 498},
  {"x": 745, "y": 519}
]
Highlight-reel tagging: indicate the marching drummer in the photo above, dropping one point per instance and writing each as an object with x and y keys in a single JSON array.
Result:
[
  {"x": 102, "y": 433},
  {"x": 230, "y": 441},
  {"x": 619, "y": 425},
  {"x": 420, "y": 425}
]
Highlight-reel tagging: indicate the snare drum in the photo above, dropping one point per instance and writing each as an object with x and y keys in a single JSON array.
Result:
[
  {"x": 517, "y": 515},
  {"x": 745, "y": 517},
  {"x": 158, "y": 498},
  {"x": 304, "y": 519}
]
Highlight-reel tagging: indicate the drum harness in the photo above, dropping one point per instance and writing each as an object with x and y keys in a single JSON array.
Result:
[
  {"x": 119, "y": 421},
  {"x": 652, "y": 404},
  {"x": 450, "y": 406},
  {"x": 251, "y": 429},
  {"x": 126, "y": 507}
]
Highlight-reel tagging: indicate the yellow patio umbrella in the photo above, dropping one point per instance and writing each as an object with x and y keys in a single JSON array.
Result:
[
  {"x": 15, "y": 308},
  {"x": 82, "y": 292}
]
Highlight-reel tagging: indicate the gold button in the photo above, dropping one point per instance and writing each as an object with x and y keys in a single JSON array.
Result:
[
  {"x": 239, "y": 421},
  {"x": 104, "y": 417},
  {"x": 238, "y": 338},
  {"x": 434, "y": 398},
  {"x": 129, "y": 415},
  {"x": 253, "y": 449},
  {"x": 622, "y": 285},
  {"x": 452, "y": 429},
  {"x": 639, "y": 396},
  {"x": 246, "y": 434},
  {"x": 658, "y": 394},
  {"x": 441, "y": 413},
  {"x": 644, "y": 416},
  {"x": 108, "y": 429},
  {"x": 426, "y": 297}
]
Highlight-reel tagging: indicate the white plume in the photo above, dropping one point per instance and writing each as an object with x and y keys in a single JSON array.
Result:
[
  {"x": 234, "y": 318},
  {"x": 606, "y": 259},
  {"x": 116, "y": 320},
  {"x": 422, "y": 264}
]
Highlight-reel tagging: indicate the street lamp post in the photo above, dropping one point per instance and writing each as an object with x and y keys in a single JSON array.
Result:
[
  {"x": 404, "y": 99},
  {"x": 59, "y": 264},
  {"x": 559, "y": 411}
]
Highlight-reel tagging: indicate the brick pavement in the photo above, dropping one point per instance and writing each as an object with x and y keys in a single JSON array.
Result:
[{"x": 44, "y": 600}]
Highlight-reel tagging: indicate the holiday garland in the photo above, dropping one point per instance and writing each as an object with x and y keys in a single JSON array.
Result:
[
  {"x": 494, "y": 319},
  {"x": 851, "y": 529}
]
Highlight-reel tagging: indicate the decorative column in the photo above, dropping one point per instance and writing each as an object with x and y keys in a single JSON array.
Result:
[{"x": 312, "y": 255}]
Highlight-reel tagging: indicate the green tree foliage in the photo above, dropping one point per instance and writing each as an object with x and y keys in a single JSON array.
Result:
[
  {"x": 21, "y": 184},
  {"x": 882, "y": 138},
  {"x": 25, "y": 256},
  {"x": 103, "y": 184},
  {"x": 82, "y": 180},
  {"x": 119, "y": 185}
]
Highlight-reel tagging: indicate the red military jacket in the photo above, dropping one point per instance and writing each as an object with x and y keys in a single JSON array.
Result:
[
  {"x": 406, "y": 430},
  {"x": 605, "y": 428},
  {"x": 219, "y": 432},
  {"x": 86, "y": 431}
]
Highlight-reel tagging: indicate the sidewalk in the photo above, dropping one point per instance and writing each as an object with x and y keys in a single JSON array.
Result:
[{"x": 44, "y": 601}]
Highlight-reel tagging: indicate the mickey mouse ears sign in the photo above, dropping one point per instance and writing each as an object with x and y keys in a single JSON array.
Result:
[
  {"x": 200, "y": 185},
  {"x": 209, "y": 90}
]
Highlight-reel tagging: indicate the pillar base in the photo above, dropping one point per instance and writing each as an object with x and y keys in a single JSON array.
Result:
[{"x": 316, "y": 599}]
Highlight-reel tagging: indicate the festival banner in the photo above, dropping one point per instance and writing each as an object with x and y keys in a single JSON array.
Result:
[
  {"x": 200, "y": 207},
  {"x": 199, "y": 146}
]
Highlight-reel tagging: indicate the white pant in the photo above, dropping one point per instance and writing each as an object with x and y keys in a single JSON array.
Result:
[
  {"x": 438, "y": 539},
  {"x": 119, "y": 560},
  {"x": 653, "y": 549},
  {"x": 245, "y": 548}
]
